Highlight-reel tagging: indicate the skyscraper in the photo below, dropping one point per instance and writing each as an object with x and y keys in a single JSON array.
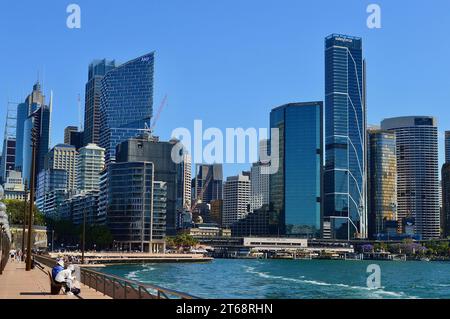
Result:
[
  {"x": 184, "y": 177},
  {"x": 90, "y": 164},
  {"x": 51, "y": 190},
  {"x": 31, "y": 104},
  {"x": 445, "y": 180},
  {"x": 417, "y": 172},
  {"x": 146, "y": 148},
  {"x": 126, "y": 103},
  {"x": 208, "y": 183},
  {"x": 97, "y": 70},
  {"x": 295, "y": 189},
  {"x": 40, "y": 121},
  {"x": 382, "y": 181},
  {"x": 236, "y": 199},
  {"x": 447, "y": 146},
  {"x": 259, "y": 186},
  {"x": 73, "y": 137},
  {"x": 63, "y": 157},
  {"x": 345, "y": 211}
]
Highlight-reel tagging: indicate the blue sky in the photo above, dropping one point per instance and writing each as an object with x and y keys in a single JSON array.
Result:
[{"x": 228, "y": 62}]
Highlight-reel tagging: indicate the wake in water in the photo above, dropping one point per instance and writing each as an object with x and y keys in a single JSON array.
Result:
[
  {"x": 137, "y": 274},
  {"x": 373, "y": 292}
]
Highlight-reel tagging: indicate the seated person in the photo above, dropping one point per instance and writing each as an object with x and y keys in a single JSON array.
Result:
[
  {"x": 67, "y": 278},
  {"x": 58, "y": 268}
]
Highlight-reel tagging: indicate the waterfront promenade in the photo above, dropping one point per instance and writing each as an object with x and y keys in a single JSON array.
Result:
[{"x": 16, "y": 283}]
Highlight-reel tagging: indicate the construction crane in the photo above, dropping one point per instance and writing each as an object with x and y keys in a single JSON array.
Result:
[{"x": 151, "y": 129}]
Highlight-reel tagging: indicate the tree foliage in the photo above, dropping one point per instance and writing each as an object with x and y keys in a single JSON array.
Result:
[{"x": 15, "y": 210}]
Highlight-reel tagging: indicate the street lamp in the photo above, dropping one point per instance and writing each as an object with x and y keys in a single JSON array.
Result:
[
  {"x": 32, "y": 181},
  {"x": 24, "y": 221}
]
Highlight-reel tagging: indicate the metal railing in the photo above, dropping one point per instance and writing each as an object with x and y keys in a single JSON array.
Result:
[{"x": 118, "y": 287}]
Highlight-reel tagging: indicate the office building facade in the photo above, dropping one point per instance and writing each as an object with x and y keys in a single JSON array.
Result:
[
  {"x": 73, "y": 137},
  {"x": 382, "y": 181},
  {"x": 417, "y": 172},
  {"x": 208, "y": 182},
  {"x": 236, "y": 199},
  {"x": 295, "y": 189},
  {"x": 64, "y": 157},
  {"x": 136, "y": 206},
  {"x": 90, "y": 164},
  {"x": 96, "y": 72},
  {"x": 126, "y": 103},
  {"x": 345, "y": 211},
  {"x": 259, "y": 186},
  {"x": 145, "y": 148}
]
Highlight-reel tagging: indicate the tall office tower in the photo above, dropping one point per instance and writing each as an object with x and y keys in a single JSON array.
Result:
[
  {"x": 126, "y": 103},
  {"x": 31, "y": 104},
  {"x": 417, "y": 172},
  {"x": 447, "y": 146},
  {"x": 136, "y": 206},
  {"x": 97, "y": 70},
  {"x": 90, "y": 164},
  {"x": 345, "y": 209},
  {"x": 184, "y": 172},
  {"x": 236, "y": 199},
  {"x": 382, "y": 181},
  {"x": 73, "y": 137},
  {"x": 259, "y": 186},
  {"x": 80, "y": 206},
  {"x": 445, "y": 183},
  {"x": 51, "y": 190},
  {"x": 295, "y": 189},
  {"x": 146, "y": 148},
  {"x": 64, "y": 157},
  {"x": 445, "y": 223},
  {"x": 208, "y": 182}
]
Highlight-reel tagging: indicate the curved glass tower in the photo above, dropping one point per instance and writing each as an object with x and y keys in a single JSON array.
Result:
[
  {"x": 345, "y": 212},
  {"x": 126, "y": 102}
]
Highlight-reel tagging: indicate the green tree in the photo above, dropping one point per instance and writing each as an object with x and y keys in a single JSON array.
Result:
[{"x": 15, "y": 209}]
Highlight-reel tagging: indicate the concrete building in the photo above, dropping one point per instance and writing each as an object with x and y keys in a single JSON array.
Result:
[
  {"x": 236, "y": 199},
  {"x": 417, "y": 172},
  {"x": 64, "y": 157},
  {"x": 14, "y": 187},
  {"x": 90, "y": 163},
  {"x": 259, "y": 186}
]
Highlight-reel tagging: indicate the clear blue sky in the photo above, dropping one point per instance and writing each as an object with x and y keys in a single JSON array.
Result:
[{"x": 228, "y": 62}]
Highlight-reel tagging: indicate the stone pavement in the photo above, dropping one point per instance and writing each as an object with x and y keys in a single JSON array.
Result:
[{"x": 16, "y": 283}]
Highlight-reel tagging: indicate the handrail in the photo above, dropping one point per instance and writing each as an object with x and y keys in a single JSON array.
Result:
[{"x": 121, "y": 288}]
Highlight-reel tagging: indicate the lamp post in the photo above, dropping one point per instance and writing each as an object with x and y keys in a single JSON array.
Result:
[
  {"x": 83, "y": 244},
  {"x": 32, "y": 181},
  {"x": 24, "y": 221}
]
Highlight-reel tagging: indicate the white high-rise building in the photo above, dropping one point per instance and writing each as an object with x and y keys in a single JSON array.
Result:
[
  {"x": 259, "y": 186},
  {"x": 236, "y": 199},
  {"x": 64, "y": 157},
  {"x": 184, "y": 176},
  {"x": 91, "y": 162}
]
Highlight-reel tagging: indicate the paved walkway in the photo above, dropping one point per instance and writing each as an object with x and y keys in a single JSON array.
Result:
[{"x": 16, "y": 283}]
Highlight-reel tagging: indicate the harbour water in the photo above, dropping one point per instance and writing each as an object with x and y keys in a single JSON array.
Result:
[{"x": 298, "y": 279}]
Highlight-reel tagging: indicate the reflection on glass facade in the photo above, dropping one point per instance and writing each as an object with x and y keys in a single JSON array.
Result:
[
  {"x": 447, "y": 146},
  {"x": 345, "y": 212},
  {"x": 295, "y": 190},
  {"x": 446, "y": 199},
  {"x": 418, "y": 172},
  {"x": 126, "y": 102},
  {"x": 382, "y": 177},
  {"x": 97, "y": 70},
  {"x": 132, "y": 214}
]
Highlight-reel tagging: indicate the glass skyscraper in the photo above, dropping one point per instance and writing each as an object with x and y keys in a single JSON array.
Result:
[
  {"x": 345, "y": 211},
  {"x": 39, "y": 120},
  {"x": 295, "y": 190},
  {"x": 447, "y": 146},
  {"x": 418, "y": 172},
  {"x": 126, "y": 103},
  {"x": 97, "y": 70},
  {"x": 382, "y": 181}
]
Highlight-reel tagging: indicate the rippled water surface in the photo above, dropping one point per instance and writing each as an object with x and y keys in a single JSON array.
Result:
[{"x": 232, "y": 278}]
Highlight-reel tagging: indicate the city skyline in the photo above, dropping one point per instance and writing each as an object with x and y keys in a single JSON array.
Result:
[{"x": 193, "y": 86}]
